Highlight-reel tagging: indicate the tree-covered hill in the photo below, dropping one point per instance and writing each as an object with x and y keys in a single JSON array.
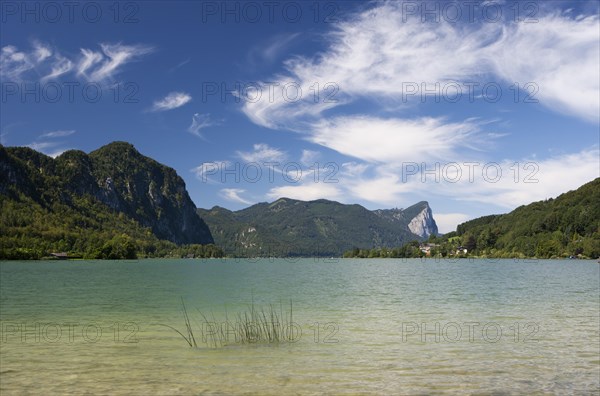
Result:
[
  {"x": 289, "y": 227},
  {"x": 567, "y": 226},
  {"x": 112, "y": 203}
]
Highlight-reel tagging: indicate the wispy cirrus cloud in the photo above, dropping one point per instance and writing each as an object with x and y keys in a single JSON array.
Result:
[
  {"x": 48, "y": 144},
  {"x": 233, "y": 195},
  {"x": 561, "y": 55},
  {"x": 60, "y": 66},
  {"x": 205, "y": 170},
  {"x": 115, "y": 57},
  {"x": 50, "y": 148},
  {"x": 43, "y": 62},
  {"x": 262, "y": 153},
  {"x": 172, "y": 101},
  {"x": 199, "y": 122},
  {"x": 374, "y": 52},
  {"x": 395, "y": 140},
  {"x": 56, "y": 134}
]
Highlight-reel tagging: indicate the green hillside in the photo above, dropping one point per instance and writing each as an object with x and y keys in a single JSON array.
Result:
[
  {"x": 568, "y": 225},
  {"x": 112, "y": 203},
  {"x": 289, "y": 227}
]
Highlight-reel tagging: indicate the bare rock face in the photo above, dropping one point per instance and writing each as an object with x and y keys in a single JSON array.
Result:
[{"x": 423, "y": 223}]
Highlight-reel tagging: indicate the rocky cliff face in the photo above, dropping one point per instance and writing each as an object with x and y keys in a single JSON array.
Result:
[
  {"x": 418, "y": 218},
  {"x": 423, "y": 223},
  {"x": 116, "y": 175}
]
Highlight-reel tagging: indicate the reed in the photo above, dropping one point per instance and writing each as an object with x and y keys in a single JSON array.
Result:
[{"x": 254, "y": 325}]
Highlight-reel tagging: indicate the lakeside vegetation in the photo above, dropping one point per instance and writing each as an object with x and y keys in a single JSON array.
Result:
[{"x": 87, "y": 230}]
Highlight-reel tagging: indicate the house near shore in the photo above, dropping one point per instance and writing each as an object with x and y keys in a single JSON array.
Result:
[
  {"x": 461, "y": 250},
  {"x": 427, "y": 247}
]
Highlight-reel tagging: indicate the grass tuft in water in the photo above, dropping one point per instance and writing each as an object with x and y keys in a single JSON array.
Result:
[{"x": 255, "y": 325}]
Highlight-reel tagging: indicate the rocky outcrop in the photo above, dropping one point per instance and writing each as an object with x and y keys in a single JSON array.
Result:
[{"x": 423, "y": 223}]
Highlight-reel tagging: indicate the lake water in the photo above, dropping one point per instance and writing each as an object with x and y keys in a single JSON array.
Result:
[{"x": 359, "y": 327}]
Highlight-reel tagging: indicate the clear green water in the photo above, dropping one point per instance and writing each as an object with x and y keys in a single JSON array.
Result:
[{"x": 370, "y": 315}]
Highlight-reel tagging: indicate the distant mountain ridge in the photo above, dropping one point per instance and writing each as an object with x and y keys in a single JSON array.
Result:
[{"x": 289, "y": 227}]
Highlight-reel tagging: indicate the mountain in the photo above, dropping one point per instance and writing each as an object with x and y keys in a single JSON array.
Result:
[
  {"x": 55, "y": 204},
  {"x": 419, "y": 218},
  {"x": 289, "y": 227},
  {"x": 568, "y": 225}
]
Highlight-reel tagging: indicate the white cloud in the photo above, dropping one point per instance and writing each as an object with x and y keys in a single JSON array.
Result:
[
  {"x": 536, "y": 179},
  {"x": 307, "y": 192},
  {"x": 88, "y": 60},
  {"x": 560, "y": 55},
  {"x": 394, "y": 140},
  {"x": 41, "y": 51},
  {"x": 61, "y": 66},
  {"x": 55, "y": 134},
  {"x": 233, "y": 195},
  {"x": 42, "y": 146},
  {"x": 447, "y": 222},
  {"x": 172, "y": 101},
  {"x": 116, "y": 56},
  {"x": 309, "y": 157},
  {"x": 207, "y": 169},
  {"x": 14, "y": 63},
  {"x": 270, "y": 50},
  {"x": 262, "y": 153},
  {"x": 199, "y": 122},
  {"x": 374, "y": 53},
  {"x": 51, "y": 149},
  {"x": 97, "y": 66}
]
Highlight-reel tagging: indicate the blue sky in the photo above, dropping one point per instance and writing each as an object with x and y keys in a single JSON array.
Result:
[{"x": 475, "y": 108}]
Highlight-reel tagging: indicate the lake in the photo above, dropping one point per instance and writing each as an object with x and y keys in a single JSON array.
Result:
[{"x": 357, "y": 327}]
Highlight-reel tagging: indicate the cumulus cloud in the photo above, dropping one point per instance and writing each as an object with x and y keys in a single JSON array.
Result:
[{"x": 172, "y": 101}]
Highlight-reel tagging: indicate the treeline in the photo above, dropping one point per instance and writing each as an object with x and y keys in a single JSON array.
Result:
[
  {"x": 410, "y": 250},
  {"x": 85, "y": 229}
]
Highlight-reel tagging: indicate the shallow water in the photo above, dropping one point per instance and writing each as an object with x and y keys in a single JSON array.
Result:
[{"x": 362, "y": 327}]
